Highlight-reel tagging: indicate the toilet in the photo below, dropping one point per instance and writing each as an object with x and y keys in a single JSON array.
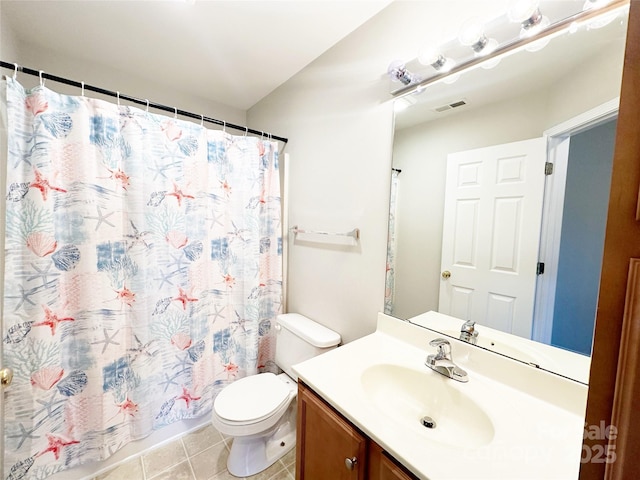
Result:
[{"x": 259, "y": 411}]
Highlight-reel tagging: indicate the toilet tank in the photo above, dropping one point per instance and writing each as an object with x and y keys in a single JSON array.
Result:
[{"x": 299, "y": 338}]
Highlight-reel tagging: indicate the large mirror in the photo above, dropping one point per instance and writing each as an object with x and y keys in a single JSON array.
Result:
[{"x": 565, "y": 96}]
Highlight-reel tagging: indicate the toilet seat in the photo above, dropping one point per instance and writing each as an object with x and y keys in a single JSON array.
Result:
[{"x": 252, "y": 399}]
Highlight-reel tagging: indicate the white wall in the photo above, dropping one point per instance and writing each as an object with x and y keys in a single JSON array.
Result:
[
  {"x": 8, "y": 40},
  {"x": 129, "y": 83},
  {"x": 340, "y": 132},
  {"x": 421, "y": 153},
  {"x": 587, "y": 86}
]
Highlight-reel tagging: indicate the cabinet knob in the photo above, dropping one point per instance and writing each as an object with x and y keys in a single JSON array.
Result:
[{"x": 350, "y": 463}]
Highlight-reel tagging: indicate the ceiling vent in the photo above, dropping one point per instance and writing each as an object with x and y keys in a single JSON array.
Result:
[{"x": 450, "y": 106}]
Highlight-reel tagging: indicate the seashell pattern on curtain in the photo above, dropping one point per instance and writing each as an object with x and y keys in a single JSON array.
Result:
[{"x": 143, "y": 273}]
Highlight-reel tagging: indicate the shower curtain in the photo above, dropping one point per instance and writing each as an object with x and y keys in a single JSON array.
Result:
[
  {"x": 390, "y": 279},
  {"x": 143, "y": 273}
]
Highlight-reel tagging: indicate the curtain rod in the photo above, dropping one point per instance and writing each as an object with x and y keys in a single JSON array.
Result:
[{"x": 38, "y": 73}]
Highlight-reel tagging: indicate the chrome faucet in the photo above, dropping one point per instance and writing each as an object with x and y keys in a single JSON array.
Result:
[
  {"x": 468, "y": 332},
  {"x": 442, "y": 362}
]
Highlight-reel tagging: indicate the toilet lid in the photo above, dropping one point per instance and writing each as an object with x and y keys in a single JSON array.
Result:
[{"x": 251, "y": 398}]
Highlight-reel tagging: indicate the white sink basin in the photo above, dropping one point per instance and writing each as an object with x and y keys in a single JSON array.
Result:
[{"x": 406, "y": 395}]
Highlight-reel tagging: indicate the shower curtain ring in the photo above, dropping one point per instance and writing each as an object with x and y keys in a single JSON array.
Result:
[
  {"x": 82, "y": 88},
  {"x": 175, "y": 113},
  {"x": 201, "y": 120},
  {"x": 41, "y": 79},
  {"x": 15, "y": 72},
  {"x": 246, "y": 130},
  {"x": 147, "y": 105},
  {"x": 224, "y": 127}
]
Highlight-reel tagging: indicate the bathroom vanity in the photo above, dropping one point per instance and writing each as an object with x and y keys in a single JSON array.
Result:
[
  {"x": 362, "y": 410},
  {"x": 329, "y": 446}
]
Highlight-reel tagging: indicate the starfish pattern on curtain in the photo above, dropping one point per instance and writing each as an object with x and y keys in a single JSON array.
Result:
[{"x": 143, "y": 273}]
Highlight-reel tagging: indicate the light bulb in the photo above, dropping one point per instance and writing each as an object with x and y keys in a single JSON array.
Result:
[
  {"x": 522, "y": 10},
  {"x": 594, "y": 4},
  {"x": 489, "y": 47},
  {"x": 534, "y": 25},
  {"x": 472, "y": 35},
  {"x": 443, "y": 64},
  {"x": 397, "y": 71},
  {"x": 471, "y": 32},
  {"x": 528, "y": 14},
  {"x": 431, "y": 56}
]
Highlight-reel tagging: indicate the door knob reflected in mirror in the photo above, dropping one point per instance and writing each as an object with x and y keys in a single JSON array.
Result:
[
  {"x": 446, "y": 274},
  {"x": 6, "y": 376}
]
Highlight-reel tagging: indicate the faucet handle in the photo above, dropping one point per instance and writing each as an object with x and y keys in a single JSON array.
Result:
[
  {"x": 443, "y": 346},
  {"x": 468, "y": 326},
  {"x": 438, "y": 341},
  {"x": 468, "y": 332}
]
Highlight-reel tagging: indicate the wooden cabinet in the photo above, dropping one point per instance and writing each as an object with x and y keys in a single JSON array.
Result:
[
  {"x": 384, "y": 467},
  {"x": 330, "y": 447},
  {"x": 327, "y": 446}
]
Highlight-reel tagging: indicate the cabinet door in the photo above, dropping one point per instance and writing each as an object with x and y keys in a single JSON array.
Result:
[
  {"x": 390, "y": 471},
  {"x": 383, "y": 467},
  {"x": 328, "y": 447}
]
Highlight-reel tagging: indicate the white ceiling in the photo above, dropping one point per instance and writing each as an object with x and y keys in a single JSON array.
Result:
[{"x": 234, "y": 52}]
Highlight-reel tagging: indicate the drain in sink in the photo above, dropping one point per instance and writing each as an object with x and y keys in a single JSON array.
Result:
[{"x": 428, "y": 422}]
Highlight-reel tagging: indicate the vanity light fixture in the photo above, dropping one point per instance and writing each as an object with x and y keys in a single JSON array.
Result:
[
  {"x": 534, "y": 35},
  {"x": 528, "y": 14},
  {"x": 398, "y": 72},
  {"x": 432, "y": 56},
  {"x": 472, "y": 35}
]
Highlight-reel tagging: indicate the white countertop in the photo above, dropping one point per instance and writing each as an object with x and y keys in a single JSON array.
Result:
[{"x": 537, "y": 417}]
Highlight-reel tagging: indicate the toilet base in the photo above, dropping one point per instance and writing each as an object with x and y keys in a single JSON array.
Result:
[{"x": 254, "y": 453}]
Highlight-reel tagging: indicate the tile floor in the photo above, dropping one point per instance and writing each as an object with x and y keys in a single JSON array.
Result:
[{"x": 200, "y": 455}]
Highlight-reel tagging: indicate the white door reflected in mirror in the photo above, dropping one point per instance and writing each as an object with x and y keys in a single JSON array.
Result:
[{"x": 491, "y": 233}]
